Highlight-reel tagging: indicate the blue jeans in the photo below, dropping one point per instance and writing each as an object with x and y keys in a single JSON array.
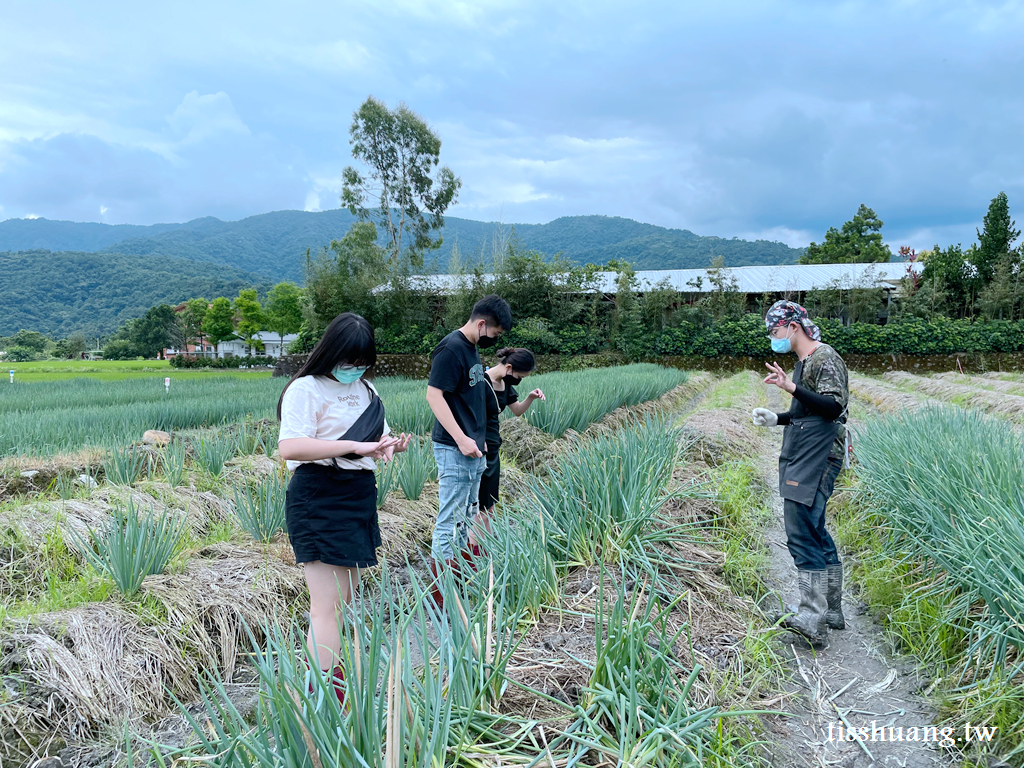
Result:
[
  {"x": 458, "y": 479},
  {"x": 809, "y": 543}
]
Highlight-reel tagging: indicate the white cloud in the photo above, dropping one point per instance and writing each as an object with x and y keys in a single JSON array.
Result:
[
  {"x": 312, "y": 201},
  {"x": 199, "y": 117},
  {"x": 103, "y": 210},
  {"x": 31, "y": 216},
  {"x": 794, "y": 238}
]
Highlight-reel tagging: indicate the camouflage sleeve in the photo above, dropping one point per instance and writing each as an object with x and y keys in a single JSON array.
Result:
[{"x": 827, "y": 375}]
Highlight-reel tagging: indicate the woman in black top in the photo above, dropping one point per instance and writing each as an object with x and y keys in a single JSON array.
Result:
[
  {"x": 332, "y": 431},
  {"x": 514, "y": 364}
]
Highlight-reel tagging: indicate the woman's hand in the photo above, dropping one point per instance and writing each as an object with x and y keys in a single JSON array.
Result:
[
  {"x": 377, "y": 450},
  {"x": 778, "y": 377},
  {"x": 401, "y": 446},
  {"x": 536, "y": 395}
]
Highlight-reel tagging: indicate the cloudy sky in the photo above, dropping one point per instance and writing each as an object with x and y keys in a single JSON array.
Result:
[{"x": 753, "y": 119}]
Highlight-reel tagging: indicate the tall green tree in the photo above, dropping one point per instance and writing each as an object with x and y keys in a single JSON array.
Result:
[
  {"x": 403, "y": 188},
  {"x": 71, "y": 347},
  {"x": 219, "y": 322},
  {"x": 953, "y": 270},
  {"x": 284, "y": 309},
  {"x": 342, "y": 277},
  {"x": 154, "y": 332},
  {"x": 859, "y": 241},
  {"x": 191, "y": 319},
  {"x": 995, "y": 239},
  {"x": 250, "y": 318}
]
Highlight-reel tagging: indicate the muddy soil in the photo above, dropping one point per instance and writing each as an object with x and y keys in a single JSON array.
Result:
[{"x": 855, "y": 681}]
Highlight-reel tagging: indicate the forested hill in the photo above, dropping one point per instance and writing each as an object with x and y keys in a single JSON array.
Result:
[
  {"x": 274, "y": 244},
  {"x": 63, "y": 292}
]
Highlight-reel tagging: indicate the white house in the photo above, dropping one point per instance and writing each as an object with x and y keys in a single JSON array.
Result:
[{"x": 272, "y": 347}]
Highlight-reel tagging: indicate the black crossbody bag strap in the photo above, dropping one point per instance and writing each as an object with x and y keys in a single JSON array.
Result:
[{"x": 368, "y": 428}]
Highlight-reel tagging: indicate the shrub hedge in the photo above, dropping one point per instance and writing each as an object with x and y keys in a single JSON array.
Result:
[
  {"x": 190, "y": 361},
  {"x": 744, "y": 337},
  {"x": 941, "y": 336}
]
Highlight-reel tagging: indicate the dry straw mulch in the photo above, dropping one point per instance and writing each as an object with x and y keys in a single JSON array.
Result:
[
  {"x": 998, "y": 404},
  {"x": 103, "y": 663},
  {"x": 987, "y": 382},
  {"x": 885, "y": 397},
  {"x": 724, "y": 433},
  {"x": 25, "y": 474}
]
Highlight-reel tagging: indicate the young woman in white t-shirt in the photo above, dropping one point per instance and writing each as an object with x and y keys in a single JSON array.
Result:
[{"x": 332, "y": 431}]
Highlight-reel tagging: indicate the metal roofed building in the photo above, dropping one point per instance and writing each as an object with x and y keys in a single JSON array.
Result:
[{"x": 786, "y": 279}]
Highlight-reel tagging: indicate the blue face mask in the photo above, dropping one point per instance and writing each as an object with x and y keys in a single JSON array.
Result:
[
  {"x": 347, "y": 375},
  {"x": 782, "y": 346}
]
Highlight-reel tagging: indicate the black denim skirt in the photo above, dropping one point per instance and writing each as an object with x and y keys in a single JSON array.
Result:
[{"x": 332, "y": 516}]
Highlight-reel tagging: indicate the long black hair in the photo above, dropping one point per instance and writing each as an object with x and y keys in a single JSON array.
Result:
[
  {"x": 348, "y": 340},
  {"x": 520, "y": 358}
]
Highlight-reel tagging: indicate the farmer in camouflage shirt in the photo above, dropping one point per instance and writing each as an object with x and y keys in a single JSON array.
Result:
[{"x": 813, "y": 449}]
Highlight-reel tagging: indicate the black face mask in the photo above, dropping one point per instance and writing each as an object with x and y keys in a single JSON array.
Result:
[
  {"x": 513, "y": 380},
  {"x": 486, "y": 342}
]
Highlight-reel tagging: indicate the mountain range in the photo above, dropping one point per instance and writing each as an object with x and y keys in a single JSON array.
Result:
[{"x": 118, "y": 271}]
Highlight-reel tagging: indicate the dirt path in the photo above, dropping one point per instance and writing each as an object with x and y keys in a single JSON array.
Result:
[{"x": 855, "y": 678}]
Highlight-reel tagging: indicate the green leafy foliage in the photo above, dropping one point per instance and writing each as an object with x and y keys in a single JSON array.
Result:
[
  {"x": 218, "y": 323},
  {"x": 859, "y": 240},
  {"x": 20, "y": 354},
  {"x": 400, "y": 154},
  {"x": 284, "y": 309},
  {"x": 96, "y": 293},
  {"x": 250, "y": 318}
]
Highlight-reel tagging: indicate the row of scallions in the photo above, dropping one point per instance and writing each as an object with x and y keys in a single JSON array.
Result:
[
  {"x": 949, "y": 483},
  {"x": 575, "y": 400},
  {"x": 426, "y": 686},
  {"x": 603, "y": 504}
]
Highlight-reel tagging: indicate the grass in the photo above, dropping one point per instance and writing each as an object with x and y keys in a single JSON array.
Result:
[
  {"x": 112, "y": 370},
  {"x": 744, "y": 503}
]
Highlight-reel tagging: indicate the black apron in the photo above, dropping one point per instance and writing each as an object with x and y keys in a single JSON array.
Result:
[
  {"x": 806, "y": 444},
  {"x": 368, "y": 428}
]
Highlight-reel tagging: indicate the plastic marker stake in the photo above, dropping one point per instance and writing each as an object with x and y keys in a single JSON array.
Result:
[
  {"x": 167, "y": 384},
  {"x": 12, "y": 377}
]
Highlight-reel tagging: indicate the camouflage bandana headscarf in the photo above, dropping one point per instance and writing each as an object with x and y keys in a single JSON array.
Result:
[{"x": 785, "y": 312}]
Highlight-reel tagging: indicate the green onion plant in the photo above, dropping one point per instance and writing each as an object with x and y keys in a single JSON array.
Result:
[{"x": 133, "y": 546}]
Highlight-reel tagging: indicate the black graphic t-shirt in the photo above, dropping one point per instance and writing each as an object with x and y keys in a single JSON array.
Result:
[
  {"x": 496, "y": 403},
  {"x": 455, "y": 369}
]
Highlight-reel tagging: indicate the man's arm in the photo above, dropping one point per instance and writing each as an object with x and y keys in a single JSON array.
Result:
[
  {"x": 822, "y": 405},
  {"x": 443, "y": 413}
]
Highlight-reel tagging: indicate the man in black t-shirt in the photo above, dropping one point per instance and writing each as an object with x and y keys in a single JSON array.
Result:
[{"x": 456, "y": 393}]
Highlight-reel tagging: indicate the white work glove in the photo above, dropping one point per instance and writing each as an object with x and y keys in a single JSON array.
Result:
[{"x": 764, "y": 418}]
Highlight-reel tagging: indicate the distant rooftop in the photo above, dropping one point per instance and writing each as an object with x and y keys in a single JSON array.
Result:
[{"x": 773, "y": 279}]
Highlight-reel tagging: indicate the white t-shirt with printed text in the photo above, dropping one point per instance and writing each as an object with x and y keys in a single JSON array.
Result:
[{"x": 320, "y": 407}]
